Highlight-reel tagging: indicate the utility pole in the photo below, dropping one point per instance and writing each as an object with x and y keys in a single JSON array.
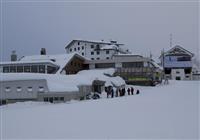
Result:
[{"x": 170, "y": 40}]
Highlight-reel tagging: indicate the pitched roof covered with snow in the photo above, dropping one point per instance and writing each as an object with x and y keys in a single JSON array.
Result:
[{"x": 177, "y": 50}]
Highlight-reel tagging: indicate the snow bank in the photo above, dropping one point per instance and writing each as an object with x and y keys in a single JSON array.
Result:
[{"x": 161, "y": 112}]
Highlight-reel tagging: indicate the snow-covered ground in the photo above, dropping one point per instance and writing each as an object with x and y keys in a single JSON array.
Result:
[{"x": 163, "y": 112}]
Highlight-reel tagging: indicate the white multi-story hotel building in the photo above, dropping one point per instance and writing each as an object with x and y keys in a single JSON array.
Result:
[{"x": 96, "y": 50}]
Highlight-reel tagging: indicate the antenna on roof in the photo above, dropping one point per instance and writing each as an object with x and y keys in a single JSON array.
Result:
[{"x": 171, "y": 40}]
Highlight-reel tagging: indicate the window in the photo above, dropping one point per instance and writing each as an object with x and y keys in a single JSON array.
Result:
[
  {"x": 92, "y": 58},
  {"x": 107, "y": 52},
  {"x": 13, "y": 69},
  {"x": 92, "y": 53},
  {"x": 82, "y": 47},
  {"x": 46, "y": 99},
  {"x": 78, "y": 48},
  {"x": 105, "y": 65},
  {"x": 61, "y": 98},
  {"x": 92, "y": 46},
  {"x": 56, "y": 98},
  {"x": 6, "y": 69},
  {"x": 19, "y": 69},
  {"x": 107, "y": 57},
  {"x": 98, "y": 58},
  {"x": 98, "y": 47},
  {"x": 41, "y": 89},
  {"x": 34, "y": 69},
  {"x": 30, "y": 89},
  {"x": 70, "y": 50},
  {"x": 51, "y": 69},
  {"x": 74, "y": 49},
  {"x": 42, "y": 69},
  {"x": 27, "y": 69},
  {"x": 19, "y": 89},
  {"x": 1, "y": 69},
  {"x": 177, "y": 72},
  {"x": 78, "y": 43},
  {"x": 82, "y": 53},
  {"x": 98, "y": 52},
  {"x": 7, "y": 89}
]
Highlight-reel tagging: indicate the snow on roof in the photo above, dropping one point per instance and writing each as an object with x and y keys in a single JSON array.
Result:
[
  {"x": 26, "y": 62},
  {"x": 156, "y": 65},
  {"x": 93, "y": 41},
  {"x": 63, "y": 83},
  {"x": 100, "y": 74},
  {"x": 60, "y": 59},
  {"x": 109, "y": 47}
]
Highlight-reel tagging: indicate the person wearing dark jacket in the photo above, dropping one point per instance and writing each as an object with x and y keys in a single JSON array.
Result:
[
  {"x": 138, "y": 92},
  {"x": 112, "y": 93},
  {"x": 132, "y": 90},
  {"x": 123, "y": 92},
  {"x": 128, "y": 90}
]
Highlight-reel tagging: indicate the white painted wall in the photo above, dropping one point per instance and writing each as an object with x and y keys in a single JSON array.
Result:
[
  {"x": 177, "y": 73},
  {"x": 87, "y": 51}
]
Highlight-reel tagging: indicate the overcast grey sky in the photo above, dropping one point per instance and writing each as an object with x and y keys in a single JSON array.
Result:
[{"x": 143, "y": 26}]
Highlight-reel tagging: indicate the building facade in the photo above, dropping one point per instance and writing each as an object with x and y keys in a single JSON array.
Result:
[
  {"x": 96, "y": 50},
  {"x": 134, "y": 69},
  {"x": 177, "y": 63}
]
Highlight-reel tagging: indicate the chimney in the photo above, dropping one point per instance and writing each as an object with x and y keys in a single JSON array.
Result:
[
  {"x": 43, "y": 51},
  {"x": 13, "y": 56}
]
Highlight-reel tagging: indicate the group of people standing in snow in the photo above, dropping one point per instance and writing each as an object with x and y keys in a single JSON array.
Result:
[{"x": 120, "y": 92}]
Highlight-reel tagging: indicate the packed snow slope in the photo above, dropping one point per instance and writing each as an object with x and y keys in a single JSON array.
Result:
[{"x": 163, "y": 112}]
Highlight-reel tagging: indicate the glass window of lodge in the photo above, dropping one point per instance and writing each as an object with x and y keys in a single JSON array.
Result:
[
  {"x": 70, "y": 50},
  {"x": 98, "y": 52},
  {"x": 82, "y": 47},
  {"x": 74, "y": 49},
  {"x": 13, "y": 69},
  {"x": 34, "y": 69},
  {"x": 42, "y": 69},
  {"x": 61, "y": 98},
  {"x": 98, "y": 46},
  {"x": 1, "y": 69},
  {"x": 7, "y": 89},
  {"x": 27, "y": 69},
  {"x": 19, "y": 89},
  {"x": 92, "y": 46},
  {"x": 82, "y": 53},
  {"x": 6, "y": 69},
  {"x": 78, "y": 48},
  {"x": 92, "y": 53},
  {"x": 30, "y": 89},
  {"x": 107, "y": 52},
  {"x": 132, "y": 64},
  {"x": 51, "y": 69},
  {"x": 78, "y": 43},
  {"x": 107, "y": 57},
  {"x": 19, "y": 69},
  {"x": 41, "y": 89},
  {"x": 98, "y": 58}
]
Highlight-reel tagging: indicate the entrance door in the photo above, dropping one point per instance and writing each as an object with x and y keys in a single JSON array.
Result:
[{"x": 178, "y": 78}]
